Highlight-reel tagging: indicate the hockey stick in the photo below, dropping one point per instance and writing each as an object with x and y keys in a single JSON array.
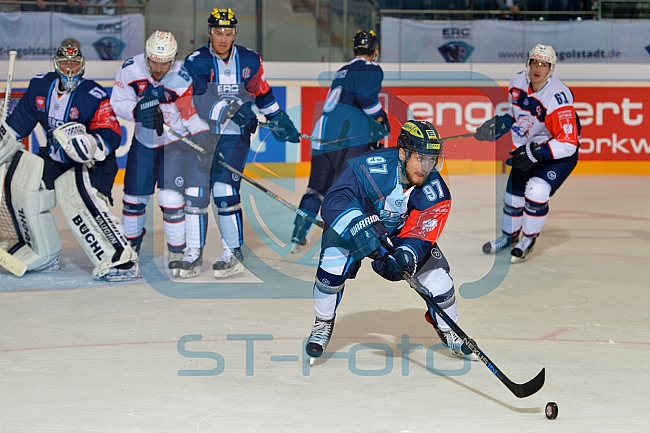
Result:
[
  {"x": 5, "y": 109},
  {"x": 7, "y": 261},
  {"x": 458, "y": 137},
  {"x": 520, "y": 390},
  {"x": 270, "y": 126},
  {"x": 231, "y": 169}
]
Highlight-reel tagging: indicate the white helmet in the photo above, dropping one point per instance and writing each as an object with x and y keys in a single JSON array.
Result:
[
  {"x": 542, "y": 53},
  {"x": 161, "y": 47}
]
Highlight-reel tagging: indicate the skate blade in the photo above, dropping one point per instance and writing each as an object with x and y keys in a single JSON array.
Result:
[
  {"x": 515, "y": 259},
  {"x": 188, "y": 273},
  {"x": 224, "y": 273},
  {"x": 311, "y": 361},
  {"x": 295, "y": 248},
  {"x": 175, "y": 272}
]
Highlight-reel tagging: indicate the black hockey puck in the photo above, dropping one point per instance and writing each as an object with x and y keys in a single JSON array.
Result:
[{"x": 551, "y": 410}]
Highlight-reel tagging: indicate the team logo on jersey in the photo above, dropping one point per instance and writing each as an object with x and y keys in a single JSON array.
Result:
[
  {"x": 74, "y": 113},
  {"x": 40, "y": 103},
  {"x": 246, "y": 73},
  {"x": 436, "y": 254},
  {"x": 456, "y": 51},
  {"x": 141, "y": 88},
  {"x": 515, "y": 94},
  {"x": 551, "y": 175},
  {"x": 168, "y": 96},
  {"x": 179, "y": 181},
  {"x": 235, "y": 177},
  {"x": 427, "y": 226}
]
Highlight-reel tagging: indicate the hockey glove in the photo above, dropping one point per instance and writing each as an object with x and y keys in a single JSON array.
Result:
[
  {"x": 79, "y": 145},
  {"x": 394, "y": 264},
  {"x": 367, "y": 233},
  {"x": 147, "y": 111},
  {"x": 207, "y": 142},
  {"x": 8, "y": 143},
  {"x": 526, "y": 156},
  {"x": 494, "y": 128},
  {"x": 283, "y": 128},
  {"x": 384, "y": 121},
  {"x": 246, "y": 118}
]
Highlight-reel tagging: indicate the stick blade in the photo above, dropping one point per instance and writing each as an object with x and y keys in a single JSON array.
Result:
[
  {"x": 529, "y": 388},
  {"x": 12, "y": 264}
]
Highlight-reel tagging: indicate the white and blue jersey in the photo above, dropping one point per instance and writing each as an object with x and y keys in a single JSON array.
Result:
[
  {"x": 88, "y": 104},
  {"x": 219, "y": 83},
  {"x": 352, "y": 106}
]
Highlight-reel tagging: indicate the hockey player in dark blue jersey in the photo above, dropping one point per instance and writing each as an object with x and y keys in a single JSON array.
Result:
[
  {"x": 77, "y": 168},
  {"x": 391, "y": 206},
  {"x": 228, "y": 79},
  {"x": 352, "y": 122}
]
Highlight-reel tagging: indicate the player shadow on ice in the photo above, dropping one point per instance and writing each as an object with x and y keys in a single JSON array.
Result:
[{"x": 395, "y": 328}]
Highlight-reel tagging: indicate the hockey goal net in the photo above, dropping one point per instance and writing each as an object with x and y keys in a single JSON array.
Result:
[{"x": 8, "y": 236}]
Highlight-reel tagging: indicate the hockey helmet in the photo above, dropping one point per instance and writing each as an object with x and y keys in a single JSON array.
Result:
[
  {"x": 161, "y": 47},
  {"x": 422, "y": 138},
  {"x": 542, "y": 53},
  {"x": 69, "y": 64},
  {"x": 365, "y": 39},
  {"x": 222, "y": 18}
]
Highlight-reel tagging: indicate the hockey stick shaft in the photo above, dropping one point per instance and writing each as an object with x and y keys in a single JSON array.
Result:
[
  {"x": 519, "y": 390},
  {"x": 10, "y": 79},
  {"x": 312, "y": 138},
  {"x": 231, "y": 169},
  {"x": 458, "y": 137},
  {"x": 8, "y": 261}
]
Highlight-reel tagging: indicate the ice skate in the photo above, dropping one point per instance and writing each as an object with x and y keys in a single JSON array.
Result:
[
  {"x": 50, "y": 266},
  {"x": 320, "y": 336},
  {"x": 297, "y": 246},
  {"x": 299, "y": 235},
  {"x": 230, "y": 263},
  {"x": 500, "y": 243},
  {"x": 174, "y": 262},
  {"x": 452, "y": 341},
  {"x": 125, "y": 272},
  {"x": 523, "y": 248},
  {"x": 190, "y": 265}
]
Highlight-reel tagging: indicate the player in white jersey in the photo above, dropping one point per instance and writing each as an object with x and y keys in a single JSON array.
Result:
[
  {"x": 152, "y": 89},
  {"x": 545, "y": 131}
]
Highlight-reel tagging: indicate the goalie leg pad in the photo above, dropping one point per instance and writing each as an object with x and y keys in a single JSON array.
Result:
[
  {"x": 92, "y": 222},
  {"x": 39, "y": 241}
]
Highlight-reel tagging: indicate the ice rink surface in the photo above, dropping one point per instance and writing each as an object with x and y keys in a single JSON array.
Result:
[{"x": 78, "y": 355}]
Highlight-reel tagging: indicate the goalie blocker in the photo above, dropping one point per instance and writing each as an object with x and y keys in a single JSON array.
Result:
[{"x": 91, "y": 221}]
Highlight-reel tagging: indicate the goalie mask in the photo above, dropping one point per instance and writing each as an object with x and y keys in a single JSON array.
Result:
[
  {"x": 420, "y": 139},
  {"x": 69, "y": 65}
]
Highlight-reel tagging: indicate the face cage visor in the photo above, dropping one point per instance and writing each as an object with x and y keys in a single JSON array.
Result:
[
  {"x": 428, "y": 162},
  {"x": 65, "y": 67}
]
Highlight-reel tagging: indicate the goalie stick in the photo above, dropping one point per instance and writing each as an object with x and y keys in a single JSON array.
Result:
[
  {"x": 232, "y": 169},
  {"x": 519, "y": 390},
  {"x": 8, "y": 261}
]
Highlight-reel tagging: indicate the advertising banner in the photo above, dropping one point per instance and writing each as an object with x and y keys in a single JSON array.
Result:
[
  {"x": 492, "y": 41},
  {"x": 37, "y": 35},
  {"x": 614, "y": 119}
]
